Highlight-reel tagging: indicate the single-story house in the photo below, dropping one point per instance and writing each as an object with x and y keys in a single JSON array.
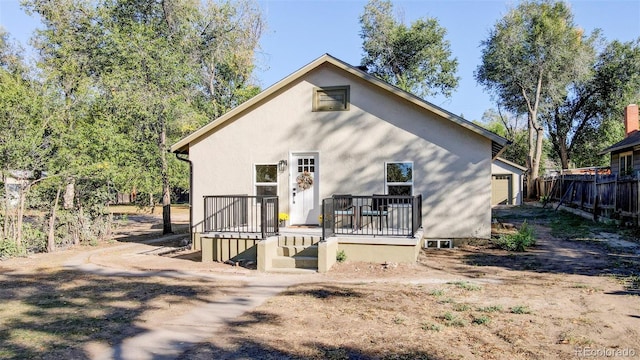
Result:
[
  {"x": 375, "y": 156},
  {"x": 625, "y": 154},
  {"x": 506, "y": 182}
]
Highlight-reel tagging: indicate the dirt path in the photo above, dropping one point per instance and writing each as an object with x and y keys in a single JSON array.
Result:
[{"x": 170, "y": 336}]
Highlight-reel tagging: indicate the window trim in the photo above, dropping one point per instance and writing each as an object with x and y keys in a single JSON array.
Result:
[
  {"x": 256, "y": 183},
  {"x": 317, "y": 90},
  {"x": 622, "y": 155},
  {"x": 407, "y": 183}
]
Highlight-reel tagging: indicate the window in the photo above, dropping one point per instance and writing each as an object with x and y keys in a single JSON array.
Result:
[
  {"x": 266, "y": 179},
  {"x": 626, "y": 163},
  {"x": 399, "y": 178},
  {"x": 335, "y": 98}
]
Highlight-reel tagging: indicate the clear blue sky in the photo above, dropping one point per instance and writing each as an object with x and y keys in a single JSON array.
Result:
[{"x": 299, "y": 31}]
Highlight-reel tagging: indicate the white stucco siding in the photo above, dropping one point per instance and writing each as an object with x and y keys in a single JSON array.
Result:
[{"x": 452, "y": 165}]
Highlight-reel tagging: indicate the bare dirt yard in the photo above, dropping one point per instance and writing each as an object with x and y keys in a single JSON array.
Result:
[{"x": 575, "y": 294}]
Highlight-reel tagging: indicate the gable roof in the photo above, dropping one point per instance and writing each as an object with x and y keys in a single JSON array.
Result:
[
  {"x": 509, "y": 163},
  {"x": 632, "y": 139},
  {"x": 497, "y": 142}
]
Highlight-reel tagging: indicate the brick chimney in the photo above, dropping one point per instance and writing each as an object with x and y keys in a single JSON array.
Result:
[{"x": 630, "y": 119}]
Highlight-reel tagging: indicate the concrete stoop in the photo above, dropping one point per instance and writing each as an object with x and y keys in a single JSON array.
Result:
[{"x": 296, "y": 253}]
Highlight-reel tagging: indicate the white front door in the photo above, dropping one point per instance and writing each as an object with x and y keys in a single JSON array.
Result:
[{"x": 304, "y": 202}]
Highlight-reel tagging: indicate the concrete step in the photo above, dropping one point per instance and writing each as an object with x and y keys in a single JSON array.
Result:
[
  {"x": 294, "y": 271},
  {"x": 293, "y": 250},
  {"x": 298, "y": 262},
  {"x": 298, "y": 240}
]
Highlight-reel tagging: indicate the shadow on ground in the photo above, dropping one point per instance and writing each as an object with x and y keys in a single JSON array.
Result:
[{"x": 55, "y": 314}]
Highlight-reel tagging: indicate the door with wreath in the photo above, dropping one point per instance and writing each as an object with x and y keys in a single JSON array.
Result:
[{"x": 304, "y": 204}]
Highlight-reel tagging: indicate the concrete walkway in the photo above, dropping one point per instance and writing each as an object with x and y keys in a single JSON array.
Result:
[{"x": 171, "y": 337}]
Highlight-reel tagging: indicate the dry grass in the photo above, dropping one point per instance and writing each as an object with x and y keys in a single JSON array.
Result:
[{"x": 54, "y": 313}]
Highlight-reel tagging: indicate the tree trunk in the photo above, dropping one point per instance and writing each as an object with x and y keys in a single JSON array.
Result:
[
  {"x": 51, "y": 239},
  {"x": 538, "y": 158},
  {"x": 69, "y": 194},
  {"x": 530, "y": 159},
  {"x": 24, "y": 188},
  {"x": 7, "y": 205},
  {"x": 166, "y": 194},
  {"x": 152, "y": 203},
  {"x": 564, "y": 153}
]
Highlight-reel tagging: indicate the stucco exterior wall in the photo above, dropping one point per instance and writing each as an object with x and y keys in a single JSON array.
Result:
[
  {"x": 500, "y": 168},
  {"x": 452, "y": 165}
]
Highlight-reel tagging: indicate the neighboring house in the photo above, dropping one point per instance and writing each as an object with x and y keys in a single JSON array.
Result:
[
  {"x": 625, "y": 154},
  {"x": 331, "y": 128},
  {"x": 14, "y": 180},
  {"x": 506, "y": 182}
]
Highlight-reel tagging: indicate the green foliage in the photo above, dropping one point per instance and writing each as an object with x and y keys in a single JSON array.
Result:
[
  {"x": 436, "y": 292},
  {"x": 587, "y": 119},
  {"x": 117, "y": 82},
  {"x": 512, "y": 127},
  {"x": 529, "y": 59},
  {"x": 520, "y": 309},
  {"x": 490, "y": 309},
  {"x": 465, "y": 285},
  {"x": 481, "y": 320},
  {"x": 9, "y": 248},
  {"x": 416, "y": 58},
  {"x": 431, "y": 327},
  {"x": 452, "y": 320},
  {"x": 519, "y": 241},
  {"x": 461, "y": 307},
  {"x": 341, "y": 256}
]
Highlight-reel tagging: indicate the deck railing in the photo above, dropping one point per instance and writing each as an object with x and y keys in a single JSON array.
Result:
[
  {"x": 241, "y": 214},
  {"x": 374, "y": 215}
]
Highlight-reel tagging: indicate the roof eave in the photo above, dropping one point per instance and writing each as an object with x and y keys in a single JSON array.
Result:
[{"x": 499, "y": 141}]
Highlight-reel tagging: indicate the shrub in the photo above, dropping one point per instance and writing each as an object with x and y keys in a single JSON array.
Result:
[
  {"x": 341, "y": 256},
  {"x": 9, "y": 248},
  {"x": 519, "y": 241},
  {"x": 520, "y": 309},
  {"x": 33, "y": 238},
  {"x": 481, "y": 320}
]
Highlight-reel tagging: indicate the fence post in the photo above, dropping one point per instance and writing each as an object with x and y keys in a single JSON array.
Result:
[
  {"x": 596, "y": 196},
  {"x": 263, "y": 217}
]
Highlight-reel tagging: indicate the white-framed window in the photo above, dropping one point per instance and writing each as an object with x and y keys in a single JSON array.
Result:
[
  {"x": 266, "y": 179},
  {"x": 398, "y": 178},
  {"x": 626, "y": 163},
  {"x": 333, "y": 98}
]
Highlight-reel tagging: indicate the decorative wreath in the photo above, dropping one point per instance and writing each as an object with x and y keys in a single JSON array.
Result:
[{"x": 304, "y": 180}]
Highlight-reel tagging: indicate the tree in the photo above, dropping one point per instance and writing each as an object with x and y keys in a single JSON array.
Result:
[
  {"x": 23, "y": 149},
  {"x": 229, "y": 35},
  {"x": 529, "y": 58},
  {"x": 415, "y": 58},
  {"x": 510, "y": 126},
  {"x": 585, "y": 121},
  {"x": 138, "y": 73}
]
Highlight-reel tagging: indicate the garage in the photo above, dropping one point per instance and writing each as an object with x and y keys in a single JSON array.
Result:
[
  {"x": 506, "y": 182},
  {"x": 501, "y": 190}
]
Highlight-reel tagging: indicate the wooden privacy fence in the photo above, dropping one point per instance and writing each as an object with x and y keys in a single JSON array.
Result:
[{"x": 609, "y": 196}]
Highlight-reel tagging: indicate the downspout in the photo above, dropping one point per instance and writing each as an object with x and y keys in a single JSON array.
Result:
[{"x": 190, "y": 194}]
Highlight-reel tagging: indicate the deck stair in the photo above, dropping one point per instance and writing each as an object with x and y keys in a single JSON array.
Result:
[{"x": 296, "y": 252}]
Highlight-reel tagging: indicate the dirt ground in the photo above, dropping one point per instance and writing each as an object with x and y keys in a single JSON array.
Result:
[{"x": 575, "y": 294}]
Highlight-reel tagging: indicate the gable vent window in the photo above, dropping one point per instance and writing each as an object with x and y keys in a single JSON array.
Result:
[{"x": 334, "y": 98}]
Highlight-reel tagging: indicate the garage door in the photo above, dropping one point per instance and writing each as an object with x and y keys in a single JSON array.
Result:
[{"x": 501, "y": 190}]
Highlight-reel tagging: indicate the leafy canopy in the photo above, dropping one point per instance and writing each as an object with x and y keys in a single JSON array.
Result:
[{"x": 415, "y": 58}]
